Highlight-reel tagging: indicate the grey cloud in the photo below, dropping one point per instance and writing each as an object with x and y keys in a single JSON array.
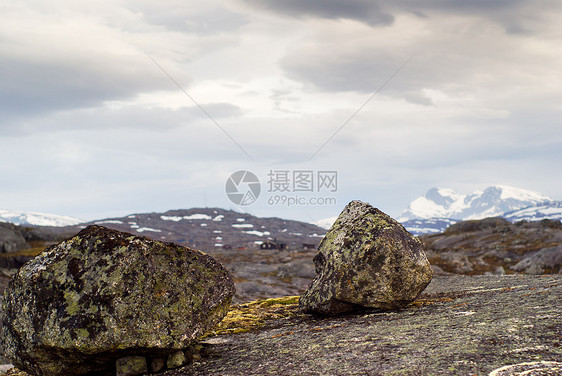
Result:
[
  {"x": 152, "y": 158},
  {"x": 463, "y": 62},
  {"x": 365, "y": 11},
  {"x": 441, "y": 55},
  {"x": 365, "y": 70},
  {"x": 131, "y": 117},
  {"x": 463, "y": 6},
  {"x": 515, "y": 16},
  {"x": 339, "y": 72},
  {"x": 30, "y": 88}
]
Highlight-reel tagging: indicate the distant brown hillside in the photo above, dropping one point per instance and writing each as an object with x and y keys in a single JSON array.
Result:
[{"x": 496, "y": 246}]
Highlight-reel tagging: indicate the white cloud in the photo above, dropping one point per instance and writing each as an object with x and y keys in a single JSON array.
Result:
[{"x": 88, "y": 121}]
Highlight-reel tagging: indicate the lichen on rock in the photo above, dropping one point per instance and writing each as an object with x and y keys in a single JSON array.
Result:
[
  {"x": 366, "y": 260},
  {"x": 104, "y": 295}
]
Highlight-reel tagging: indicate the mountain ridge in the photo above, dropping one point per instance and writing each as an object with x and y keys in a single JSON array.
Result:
[
  {"x": 213, "y": 228},
  {"x": 25, "y": 218},
  {"x": 442, "y": 207},
  {"x": 430, "y": 213},
  {"x": 493, "y": 201}
]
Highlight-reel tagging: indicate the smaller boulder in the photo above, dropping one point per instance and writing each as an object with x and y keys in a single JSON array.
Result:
[{"x": 366, "y": 260}]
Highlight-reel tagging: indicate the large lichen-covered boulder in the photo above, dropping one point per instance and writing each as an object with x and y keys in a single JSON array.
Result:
[
  {"x": 366, "y": 260},
  {"x": 103, "y": 295}
]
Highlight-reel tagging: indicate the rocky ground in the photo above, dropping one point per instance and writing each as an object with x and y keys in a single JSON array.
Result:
[
  {"x": 462, "y": 325},
  {"x": 263, "y": 274},
  {"x": 496, "y": 246},
  {"x": 492, "y": 246}
]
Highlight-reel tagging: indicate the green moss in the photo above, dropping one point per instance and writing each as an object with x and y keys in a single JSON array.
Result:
[
  {"x": 72, "y": 298},
  {"x": 249, "y": 316},
  {"x": 83, "y": 333},
  {"x": 286, "y": 300}
]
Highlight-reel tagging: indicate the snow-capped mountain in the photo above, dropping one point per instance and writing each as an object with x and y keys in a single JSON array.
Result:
[
  {"x": 326, "y": 223},
  {"x": 37, "y": 219},
  {"x": 441, "y": 207},
  {"x": 493, "y": 201}
]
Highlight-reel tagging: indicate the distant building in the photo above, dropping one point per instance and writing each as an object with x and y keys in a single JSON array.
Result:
[
  {"x": 268, "y": 244},
  {"x": 308, "y": 246}
]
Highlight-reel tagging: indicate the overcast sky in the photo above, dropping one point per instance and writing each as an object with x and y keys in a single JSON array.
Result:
[{"x": 92, "y": 124}]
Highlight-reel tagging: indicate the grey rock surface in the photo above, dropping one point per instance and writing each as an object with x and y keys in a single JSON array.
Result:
[
  {"x": 157, "y": 365},
  {"x": 540, "y": 368},
  {"x": 11, "y": 238},
  {"x": 482, "y": 246},
  {"x": 262, "y": 274},
  {"x": 103, "y": 295},
  {"x": 131, "y": 366},
  {"x": 547, "y": 259},
  {"x": 176, "y": 360},
  {"x": 461, "y": 325},
  {"x": 366, "y": 260}
]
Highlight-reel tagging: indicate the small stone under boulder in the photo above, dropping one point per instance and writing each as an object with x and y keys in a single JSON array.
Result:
[
  {"x": 366, "y": 260},
  {"x": 104, "y": 295}
]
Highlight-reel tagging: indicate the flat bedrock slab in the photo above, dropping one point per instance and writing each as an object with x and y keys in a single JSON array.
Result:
[{"x": 461, "y": 325}]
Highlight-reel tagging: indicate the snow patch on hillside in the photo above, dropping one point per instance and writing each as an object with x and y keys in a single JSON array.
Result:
[
  {"x": 143, "y": 229},
  {"x": 257, "y": 233},
  {"x": 175, "y": 218},
  {"x": 170, "y": 218},
  {"x": 198, "y": 216},
  {"x": 242, "y": 225},
  {"x": 552, "y": 211},
  {"x": 109, "y": 221}
]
